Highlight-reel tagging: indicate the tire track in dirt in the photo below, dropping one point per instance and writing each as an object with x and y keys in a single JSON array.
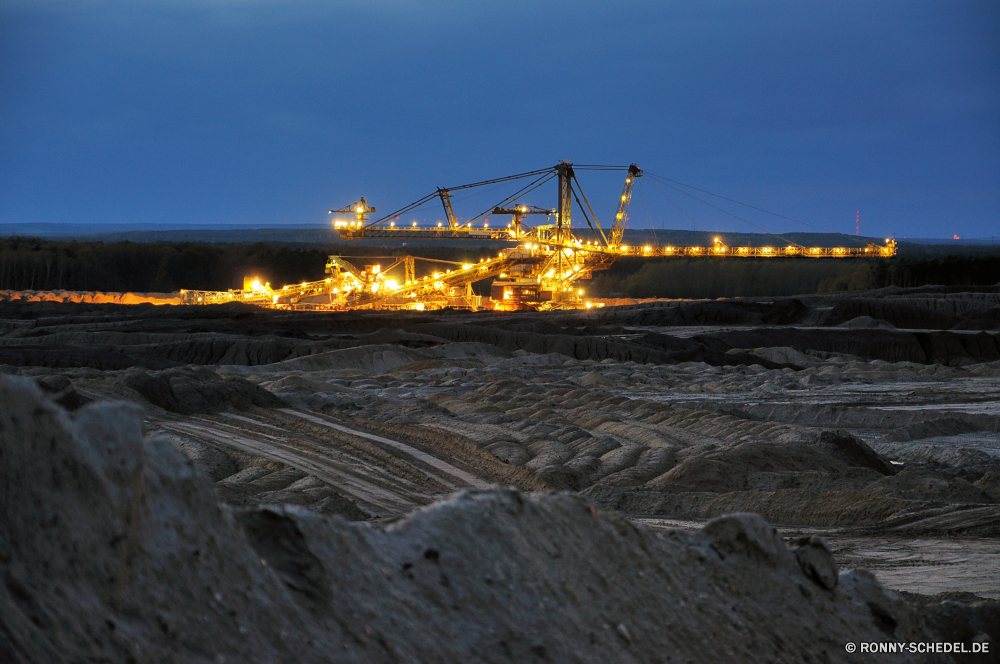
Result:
[
  {"x": 380, "y": 499},
  {"x": 443, "y": 466}
]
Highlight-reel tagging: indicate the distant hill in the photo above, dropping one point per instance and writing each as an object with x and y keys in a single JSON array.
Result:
[{"x": 322, "y": 236}]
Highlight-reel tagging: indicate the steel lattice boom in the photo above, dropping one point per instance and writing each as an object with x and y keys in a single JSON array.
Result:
[{"x": 539, "y": 273}]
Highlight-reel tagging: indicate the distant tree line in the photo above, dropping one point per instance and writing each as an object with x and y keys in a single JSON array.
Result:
[
  {"x": 34, "y": 264},
  {"x": 748, "y": 277}
]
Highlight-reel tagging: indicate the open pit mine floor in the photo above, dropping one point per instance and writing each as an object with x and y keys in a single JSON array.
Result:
[{"x": 871, "y": 420}]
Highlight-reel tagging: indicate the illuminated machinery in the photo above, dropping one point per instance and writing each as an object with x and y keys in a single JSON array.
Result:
[
  {"x": 375, "y": 288},
  {"x": 360, "y": 210},
  {"x": 540, "y": 273},
  {"x": 347, "y": 286}
]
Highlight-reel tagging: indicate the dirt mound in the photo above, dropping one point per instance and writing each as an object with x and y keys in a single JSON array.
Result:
[
  {"x": 115, "y": 550},
  {"x": 652, "y": 348},
  {"x": 729, "y": 312},
  {"x": 688, "y": 350},
  {"x": 189, "y": 390},
  {"x": 782, "y": 356},
  {"x": 580, "y": 348},
  {"x": 741, "y": 466},
  {"x": 61, "y": 390},
  {"x": 959, "y": 617},
  {"x": 942, "y": 426},
  {"x": 223, "y": 350},
  {"x": 383, "y": 358},
  {"x": 947, "y": 348},
  {"x": 896, "y": 314},
  {"x": 103, "y": 358},
  {"x": 867, "y": 323}
]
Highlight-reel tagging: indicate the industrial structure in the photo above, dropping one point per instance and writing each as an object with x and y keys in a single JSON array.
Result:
[{"x": 541, "y": 272}]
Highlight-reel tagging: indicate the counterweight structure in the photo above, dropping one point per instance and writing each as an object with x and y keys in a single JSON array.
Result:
[{"x": 541, "y": 272}]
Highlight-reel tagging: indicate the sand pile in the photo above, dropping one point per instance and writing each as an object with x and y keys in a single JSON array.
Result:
[
  {"x": 190, "y": 390},
  {"x": 90, "y": 297},
  {"x": 114, "y": 550}
]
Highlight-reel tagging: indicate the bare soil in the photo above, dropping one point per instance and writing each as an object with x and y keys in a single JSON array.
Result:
[{"x": 872, "y": 421}]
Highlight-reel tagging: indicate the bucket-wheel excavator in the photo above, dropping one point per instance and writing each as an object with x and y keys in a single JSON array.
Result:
[{"x": 540, "y": 272}]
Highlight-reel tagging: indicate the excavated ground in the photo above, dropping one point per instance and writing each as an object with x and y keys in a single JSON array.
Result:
[{"x": 872, "y": 420}]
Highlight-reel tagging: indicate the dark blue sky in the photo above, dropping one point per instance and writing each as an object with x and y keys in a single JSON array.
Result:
[{"x": 271, "y": 112}]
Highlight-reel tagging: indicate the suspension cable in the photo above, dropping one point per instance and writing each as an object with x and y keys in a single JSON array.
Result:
[
  {"x": 734, "y": 216},
  {"x": 668, "y": 182}
]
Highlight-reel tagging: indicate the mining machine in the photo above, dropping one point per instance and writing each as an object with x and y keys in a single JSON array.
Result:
[
  {"x": 518, "y": 213},
  {"x": 360, "y": 210},
  {"x": 541, "y": 272}
]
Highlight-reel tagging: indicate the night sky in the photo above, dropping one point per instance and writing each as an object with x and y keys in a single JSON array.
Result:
[{"x": 266, "y": 112}]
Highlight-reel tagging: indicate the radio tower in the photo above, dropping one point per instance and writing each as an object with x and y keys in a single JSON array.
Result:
[{"x": 857, "y": 228}]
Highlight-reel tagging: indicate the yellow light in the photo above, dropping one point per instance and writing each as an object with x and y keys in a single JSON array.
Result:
[
  {"x": 375, "y": 288},
  {"x": 255, "y": 285},
  {"x": 439, "y": 224},
  {"x": 647, "y": 248},
  {"x": 624, "y": 248},
  {"x": 359, "y": 210},
  {"x": 419, "y": 306},
  {"x": 623, "y": 196},
  {"x": 716, "y": 239},
  {"x": 392, "y": 224}
]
